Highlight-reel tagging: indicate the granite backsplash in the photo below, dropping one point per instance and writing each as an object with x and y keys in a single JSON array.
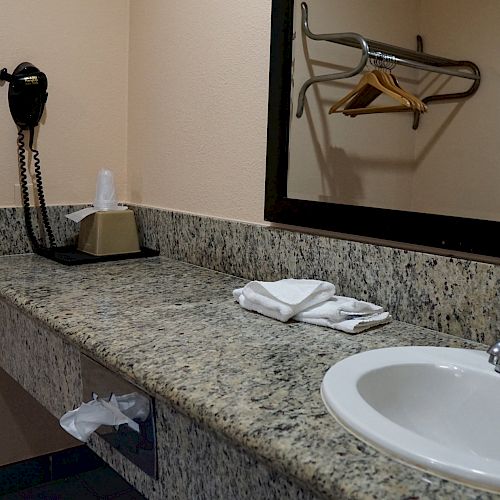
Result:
[
  {"x": 456, "y": 296},
  {"x": 13, "y": 239}
]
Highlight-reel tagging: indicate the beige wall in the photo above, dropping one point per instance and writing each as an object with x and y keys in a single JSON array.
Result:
[
  {"x": 198, "y": 105},
  {"x": 457, "y": 146},
  {"x": 82, "y": 46},
  {"x": 197, "y": 100},
  {"x": 172, "y": 96}
]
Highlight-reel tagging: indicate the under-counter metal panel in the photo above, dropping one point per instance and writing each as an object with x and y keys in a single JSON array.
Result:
[{"x": 138, "y": 447}]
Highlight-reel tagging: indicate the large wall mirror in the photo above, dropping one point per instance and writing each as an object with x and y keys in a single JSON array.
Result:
[{"x": 427, "y": 178}]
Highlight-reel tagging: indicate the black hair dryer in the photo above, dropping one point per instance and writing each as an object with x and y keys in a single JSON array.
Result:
[
  {"x": 27, "y": 98},
  {"x": 27, "y": 94}
]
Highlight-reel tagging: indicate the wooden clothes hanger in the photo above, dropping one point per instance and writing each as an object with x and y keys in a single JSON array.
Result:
[
  {"x": 369, "y": 80},
  {"x": 371, "y": 86},
  {"x": 391, "y": 82}
]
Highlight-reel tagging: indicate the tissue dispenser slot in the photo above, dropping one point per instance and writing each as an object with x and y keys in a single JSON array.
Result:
[
  {"x": 109, "y": 233},
  {"x": 139, "y": 448}
]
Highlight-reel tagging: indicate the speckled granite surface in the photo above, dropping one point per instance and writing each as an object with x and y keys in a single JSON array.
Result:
[
  {"x": 51, "y": 371},
  {"x": 13, "y": 238},
  {"x": 450, "y": 295},
  {"x": 193, "y": 462},
  {"x": 174, "y": 329}
]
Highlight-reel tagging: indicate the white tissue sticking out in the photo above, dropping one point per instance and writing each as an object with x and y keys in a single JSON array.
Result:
[
  {"x": 105, "y": 197},
  {"x": 133, "y": 405},
  {"x": 81, "y": 214},
  {"x": 83, "y": 421}
]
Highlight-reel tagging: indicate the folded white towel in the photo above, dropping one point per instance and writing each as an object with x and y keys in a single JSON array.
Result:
[
  {"x": 339, "y": 308},
  {"x": 283, "y": 299},
  {"x": 310, "y": 301},
  {"x": 346, "y": 314}
]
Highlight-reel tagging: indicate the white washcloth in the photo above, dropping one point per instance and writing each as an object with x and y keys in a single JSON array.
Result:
[
  {"x": 346, "y": 314},
  {"x": 283, "y": 299}
]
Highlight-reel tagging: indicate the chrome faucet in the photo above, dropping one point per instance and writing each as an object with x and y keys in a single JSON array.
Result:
[{"x": 494, "y": 352}]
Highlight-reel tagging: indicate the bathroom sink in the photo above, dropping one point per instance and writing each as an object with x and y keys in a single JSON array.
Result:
[{"x": 434, "y": 408}]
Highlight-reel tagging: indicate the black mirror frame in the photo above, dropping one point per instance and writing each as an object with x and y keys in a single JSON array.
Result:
[{"x": 447, "y": 233}]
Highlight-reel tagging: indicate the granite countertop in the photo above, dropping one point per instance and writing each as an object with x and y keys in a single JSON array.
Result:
[{"x": 174, "y": 329}]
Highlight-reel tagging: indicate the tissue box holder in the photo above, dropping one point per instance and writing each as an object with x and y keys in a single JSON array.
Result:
[
  {"x": 140, "y": 448},
  {"x": 112, "y": 232}
]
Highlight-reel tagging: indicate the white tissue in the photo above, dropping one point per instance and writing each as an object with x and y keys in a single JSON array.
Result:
[
  {"x": 105, "y": 197},
  {"x": 83, "y": 421},
  {"x": 133, "y": 405}
]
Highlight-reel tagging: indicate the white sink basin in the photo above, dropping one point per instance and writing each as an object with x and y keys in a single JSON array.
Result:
[{"x": 435, "y": 408}]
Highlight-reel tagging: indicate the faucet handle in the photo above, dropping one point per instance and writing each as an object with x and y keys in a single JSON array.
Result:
[{"x": 494, "y": 352}]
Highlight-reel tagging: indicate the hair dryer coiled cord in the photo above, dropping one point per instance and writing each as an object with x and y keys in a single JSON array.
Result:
[
  {"x": 23, "y": 180},
  {"x": 39, "y": 188}
]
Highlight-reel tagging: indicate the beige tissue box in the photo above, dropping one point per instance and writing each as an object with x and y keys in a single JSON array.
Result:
[{"x": 109, "y": 233}]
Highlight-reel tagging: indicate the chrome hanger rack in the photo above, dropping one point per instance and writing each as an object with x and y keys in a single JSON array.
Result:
[{"x": 401, "y": 56}]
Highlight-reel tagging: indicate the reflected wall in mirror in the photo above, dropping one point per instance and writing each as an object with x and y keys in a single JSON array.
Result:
[{"x": 373, "y": 174}]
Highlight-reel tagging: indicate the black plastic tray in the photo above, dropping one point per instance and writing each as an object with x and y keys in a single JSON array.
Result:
[{"x": 71, "y": 256}]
